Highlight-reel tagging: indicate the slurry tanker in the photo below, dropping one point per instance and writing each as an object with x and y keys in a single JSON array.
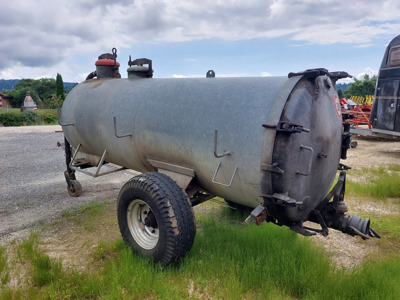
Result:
[{"x": 271, "y": 144}]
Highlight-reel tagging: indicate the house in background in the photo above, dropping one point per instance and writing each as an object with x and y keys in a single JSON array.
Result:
[{"x": 5, "y": 101}]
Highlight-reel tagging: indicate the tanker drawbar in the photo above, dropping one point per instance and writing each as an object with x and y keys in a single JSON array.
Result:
[{"x": 270, "y": 144}]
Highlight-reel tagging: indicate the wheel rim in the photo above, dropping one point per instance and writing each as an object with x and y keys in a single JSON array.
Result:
[{"x": 142, "y": 224}]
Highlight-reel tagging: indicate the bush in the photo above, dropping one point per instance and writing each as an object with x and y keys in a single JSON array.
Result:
[
  {"x": 12, "y": 119},
  {"x": 17, "y": 118},
  {"x": 31, "y": 118},
  {"x": 49, "y": 117}
]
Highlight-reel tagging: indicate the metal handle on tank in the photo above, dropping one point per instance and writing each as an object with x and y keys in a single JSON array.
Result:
[
  {"x": 309, "y": 163},
  {"x": 215, "y": 147},
  {"x": 115, "y": 130}
]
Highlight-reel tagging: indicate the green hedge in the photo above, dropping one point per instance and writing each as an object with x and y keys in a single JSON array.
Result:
[{"x": 26, "y": 118}]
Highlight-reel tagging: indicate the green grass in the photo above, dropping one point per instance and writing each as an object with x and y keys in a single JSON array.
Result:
[
  {"x": 45, "y": 110},
  {"x": 388, "y": 226},
  {"x": 377, "y": 280},
  {"x": 229, "y": 260},
  {"x": 89, "y": 211},
  {"x": 395, "y": 168},
  {"x": 4, "y": 271},
  {"x": 6, "y": 110},
  {"x": 233, "y": 260},
  {"x": 43, "y": 270},
  {"x": 24, "y": 203},
  {"x": 382, "y": 183}
]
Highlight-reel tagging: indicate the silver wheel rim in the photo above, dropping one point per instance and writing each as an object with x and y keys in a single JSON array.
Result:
[{"x": 145, "y": 235}]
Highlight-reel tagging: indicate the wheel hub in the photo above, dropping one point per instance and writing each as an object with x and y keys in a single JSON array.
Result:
[
  {"x": 150, "y": 220},
  {"x": 142, "y": 224}
]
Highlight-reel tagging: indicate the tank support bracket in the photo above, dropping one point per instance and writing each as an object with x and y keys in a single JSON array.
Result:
[
  {"x": 181, "y": 175},
  {"x": 98, "y": 166},
  {"x": 74, "y": 156}
]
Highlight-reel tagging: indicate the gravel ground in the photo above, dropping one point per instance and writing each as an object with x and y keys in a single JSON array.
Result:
[{"x": 33, "y": 187}]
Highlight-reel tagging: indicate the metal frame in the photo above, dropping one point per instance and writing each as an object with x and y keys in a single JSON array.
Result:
[
  {"x": 386, "y": 134},
  {"x": 98, "y": 166}
]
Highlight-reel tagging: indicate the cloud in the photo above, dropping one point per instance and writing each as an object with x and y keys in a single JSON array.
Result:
[
  {"x": 360, "y": 76},
  {"x": 41, "y": 34},
  {"x": 266, "y": 74},
  {"x": 179, "y": 76},
  {"x": 367, "y": 71}
]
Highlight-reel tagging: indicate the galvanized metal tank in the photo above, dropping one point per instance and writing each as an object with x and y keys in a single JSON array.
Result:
[
  {"x": 272, "y": 144},
  {"x": 281, "y": 136}
]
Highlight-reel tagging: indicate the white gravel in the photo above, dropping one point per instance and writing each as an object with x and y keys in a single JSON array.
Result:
[{"x": 32, "y": 183}]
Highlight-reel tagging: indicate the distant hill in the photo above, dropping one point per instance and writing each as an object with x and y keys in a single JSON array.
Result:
[
  {"x": 68, "y": 86},
  {"x": 9, "y": 84},
  {"x": 342, "y": 86}
]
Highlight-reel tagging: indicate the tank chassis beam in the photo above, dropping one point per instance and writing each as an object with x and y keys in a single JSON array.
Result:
[{"x": 331, "y": 212}]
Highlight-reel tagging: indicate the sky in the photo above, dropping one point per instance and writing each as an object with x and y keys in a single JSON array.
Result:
[{"x": 186, "y": 38}]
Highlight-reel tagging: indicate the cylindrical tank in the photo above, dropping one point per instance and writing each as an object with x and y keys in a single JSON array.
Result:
[{"x": 277, "y": 139}]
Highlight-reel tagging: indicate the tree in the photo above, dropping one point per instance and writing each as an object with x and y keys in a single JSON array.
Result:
[
  {"x": 60, "y": 92},
  {"x": 361, "y": 87},
  {"x": 340, "y": 93},
  {"x": 40, "y": 90}
]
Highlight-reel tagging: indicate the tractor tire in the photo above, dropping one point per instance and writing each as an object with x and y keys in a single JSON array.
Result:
[{"x": 156, "y": 218}]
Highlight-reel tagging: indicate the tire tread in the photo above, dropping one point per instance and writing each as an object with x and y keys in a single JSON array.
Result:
[{"x": 174, "y": 208}]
